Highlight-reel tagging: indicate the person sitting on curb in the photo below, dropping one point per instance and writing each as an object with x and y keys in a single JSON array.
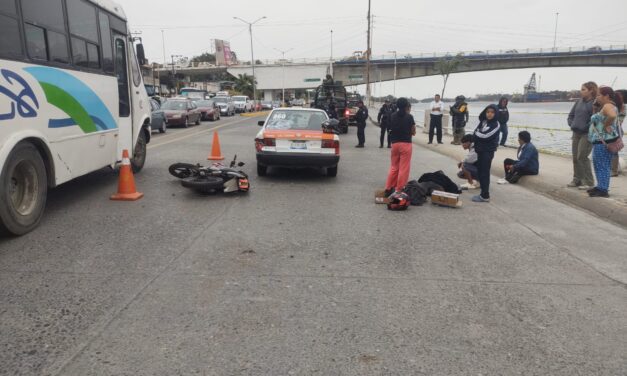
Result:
[
  {"x": 468, "y": 167},
  {"x": 527, "y": 163}
]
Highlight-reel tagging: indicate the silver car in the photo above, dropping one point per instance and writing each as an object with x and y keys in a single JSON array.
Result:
[{"x": 227, "y": 107}]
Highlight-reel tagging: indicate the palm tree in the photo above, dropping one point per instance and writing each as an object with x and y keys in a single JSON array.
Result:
[
  {"x": 244, "y": 84},
  {"x": 448, "y": 65}
]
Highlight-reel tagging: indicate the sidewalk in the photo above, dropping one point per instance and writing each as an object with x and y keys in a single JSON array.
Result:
[{"x": 555, "y": 173}]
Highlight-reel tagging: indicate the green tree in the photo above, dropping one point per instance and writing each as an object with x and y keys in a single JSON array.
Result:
[
  {"x": 448, "y": 65},
  {"x": 244, "y": 84},
  {"x": 205, "y": 58}
]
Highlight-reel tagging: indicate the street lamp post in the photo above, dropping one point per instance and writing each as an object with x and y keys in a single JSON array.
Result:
[
  {"x": 283, "y": 68},
  {"x": 252, "y": 53},
  {"x": 394, "y": 52},
  {"x": 174, "y": 73},
  {"x": 555, "y": 35},
  {"x": 331, "y": 60}
]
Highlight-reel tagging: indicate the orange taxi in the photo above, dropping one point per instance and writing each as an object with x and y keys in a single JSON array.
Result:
[{"x": 294, "y": 138}]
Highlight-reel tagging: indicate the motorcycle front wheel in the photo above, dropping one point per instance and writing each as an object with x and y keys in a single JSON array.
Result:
[
  {"x": 183, "y": 170},
  {"x": 204, "y": 184}
]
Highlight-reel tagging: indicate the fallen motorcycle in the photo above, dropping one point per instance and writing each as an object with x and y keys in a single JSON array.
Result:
[{"x": 212, "y": 179}]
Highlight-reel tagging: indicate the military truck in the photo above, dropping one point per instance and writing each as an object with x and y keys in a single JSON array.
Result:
[{"x": 332, "y": 98}]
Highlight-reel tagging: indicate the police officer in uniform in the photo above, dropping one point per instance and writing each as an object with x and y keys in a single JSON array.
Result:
[
  {"x": 385, "y": 114},
  {"x": 361, "y": 116}
]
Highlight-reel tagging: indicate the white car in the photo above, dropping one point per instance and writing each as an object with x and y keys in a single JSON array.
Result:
[
  {"x": 242, "y": 103},
  {"x": 294, "y": 138}
]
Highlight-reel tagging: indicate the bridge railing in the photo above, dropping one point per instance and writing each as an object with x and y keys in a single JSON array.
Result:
[{"x": 512, "y": 53}]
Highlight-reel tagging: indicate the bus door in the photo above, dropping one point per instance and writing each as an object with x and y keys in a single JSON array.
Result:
[{"x": 125, "y": 120}]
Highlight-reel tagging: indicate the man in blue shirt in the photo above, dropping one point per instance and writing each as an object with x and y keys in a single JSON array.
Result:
[{"x": 527, "y": 163}]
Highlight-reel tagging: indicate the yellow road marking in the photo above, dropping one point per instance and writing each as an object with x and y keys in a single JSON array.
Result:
[{"x": 188, "y": 135}]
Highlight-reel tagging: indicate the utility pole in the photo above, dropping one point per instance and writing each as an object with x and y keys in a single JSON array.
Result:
[
  {"x": 252, "y": 53},
  {"x": 394, "y": 52},
  {"x": 163, "y": 44},
  {"x": 368, "y": 51},
  {"x": 283, "y": 68},
  {"x": 555, "y": 35},
  {"x": 331, "y": 60}
]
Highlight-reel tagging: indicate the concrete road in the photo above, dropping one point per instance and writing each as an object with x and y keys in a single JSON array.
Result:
[{"x": 305, "y": 275}]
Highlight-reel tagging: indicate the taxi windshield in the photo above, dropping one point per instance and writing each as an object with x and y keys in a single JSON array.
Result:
[{"x": 300, "y": 120}]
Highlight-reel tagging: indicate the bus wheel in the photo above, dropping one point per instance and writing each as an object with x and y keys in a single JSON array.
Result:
[
  {"x": 139, "y": 154},
  {"x": 23, "y": 188}
]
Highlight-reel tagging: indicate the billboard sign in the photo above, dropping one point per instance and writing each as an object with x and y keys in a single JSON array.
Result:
[{"x": 223, "y": 53}]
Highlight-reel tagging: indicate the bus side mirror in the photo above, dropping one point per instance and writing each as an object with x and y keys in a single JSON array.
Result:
[
  {"x": 141, "y": 56},
  {"x": 260, "y": 123}
]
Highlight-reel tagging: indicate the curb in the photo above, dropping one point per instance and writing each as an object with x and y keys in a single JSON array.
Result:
[
  {"x": 254, "y": 114},
  {"x": 608, "y": 209}
]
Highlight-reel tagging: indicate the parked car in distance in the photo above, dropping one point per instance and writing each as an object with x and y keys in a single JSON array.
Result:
[
  {"x": 209, "y": 110},
  {"x": 595, "y": 49},
  {"x": 298, "y": 102},
  {"x": 266, "y": 105},
  {"x": 242, "y": 103},
  {"x": 227, "y": 108},
  {"x": 294, "y": 138},
  {"x": 276, "y": 104},
  {"x": 158, "y": 120},
  {"x": 181, "y": 111}
]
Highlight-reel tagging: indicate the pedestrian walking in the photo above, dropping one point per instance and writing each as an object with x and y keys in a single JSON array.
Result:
[
  {"x": 486, "y": 138},
  {"x": 616, "y": 169},
  {"x": 361, "y": 116},
  {"x": 402, "y": 128},
  {"x": 435, "y": 124},
  {"x": 385, "y": 114},
  {"x": 604, "y": 131},
  {"x": 459, "y": 112},
  {"x": 579, "y": 123},
  {"x": 503, "y": 118}
]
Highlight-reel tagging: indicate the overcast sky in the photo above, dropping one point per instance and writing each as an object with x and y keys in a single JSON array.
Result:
[{"x": 407, "y": 26}]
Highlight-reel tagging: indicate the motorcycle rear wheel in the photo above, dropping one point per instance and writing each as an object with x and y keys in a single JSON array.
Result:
[{"x": 204, "y": 184}]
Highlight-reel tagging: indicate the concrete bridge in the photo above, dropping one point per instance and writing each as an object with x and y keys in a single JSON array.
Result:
[
  {"x": 353, "y": 72},
  {"x": 272, "y": 76}
]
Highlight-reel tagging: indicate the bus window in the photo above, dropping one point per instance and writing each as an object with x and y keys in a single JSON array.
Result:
[
  {"x": 122, "y": 74},
  {"x": 82, "y": 19},
  {"x": 79, "y": 51},
  {"x": 105, "y": 36},
  {"x": 36, "y": 42},
  {"x": 137, "y": 76},
  {"x": 8, "y": 6},
  {"x": 93, "y": 57},
  {"x": 57, "y": 47},
  {"x": 10, "y": 46},
  {"x": 44, "y": 13}
]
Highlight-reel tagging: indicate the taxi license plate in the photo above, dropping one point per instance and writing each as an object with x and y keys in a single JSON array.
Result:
[{"x": 299, "y": 145}]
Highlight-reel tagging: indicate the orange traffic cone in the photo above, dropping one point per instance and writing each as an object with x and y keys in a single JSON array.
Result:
[
  {"x": 216, "y": 153},
  {"x": 126, "y": 183}
]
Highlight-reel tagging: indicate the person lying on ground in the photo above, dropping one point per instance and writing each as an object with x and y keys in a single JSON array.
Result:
[
  {"x": 527, "y": 163},
  {"x": 468, "y": 166}
]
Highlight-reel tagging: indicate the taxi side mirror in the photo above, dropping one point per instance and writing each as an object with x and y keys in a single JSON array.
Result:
[{"x": 261, "y": 123}]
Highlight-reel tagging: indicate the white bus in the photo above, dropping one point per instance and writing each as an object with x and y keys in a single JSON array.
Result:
[{"x": 71, "y": 99}]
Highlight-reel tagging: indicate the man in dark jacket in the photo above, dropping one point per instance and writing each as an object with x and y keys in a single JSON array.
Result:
[
  {"x": 361, "y": 116},
  {"x": 503, "y": 118},
  {"x": 527, "y": 163},
  {"x": 385, "y": 114},
  {"x": 459, "y": 112},
  {"x": 486, "y": 138}
]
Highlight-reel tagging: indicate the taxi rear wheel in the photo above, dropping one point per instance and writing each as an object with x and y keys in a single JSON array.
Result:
[
  {"x": 332, "y": 171},
  {"x": 262, "y": 170}
]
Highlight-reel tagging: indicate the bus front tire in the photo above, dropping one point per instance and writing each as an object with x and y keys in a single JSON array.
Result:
[
  {"x": 23, "y": 190},
  {"x": 139, "y": 153}
]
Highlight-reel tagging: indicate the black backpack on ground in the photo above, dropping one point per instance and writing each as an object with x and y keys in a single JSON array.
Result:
[
  {"x": 416, "y": 192},
  {"x": 442, "y": 180}
]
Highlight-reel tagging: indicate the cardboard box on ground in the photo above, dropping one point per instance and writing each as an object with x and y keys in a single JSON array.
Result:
[{"x": 446, "y": 199}]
